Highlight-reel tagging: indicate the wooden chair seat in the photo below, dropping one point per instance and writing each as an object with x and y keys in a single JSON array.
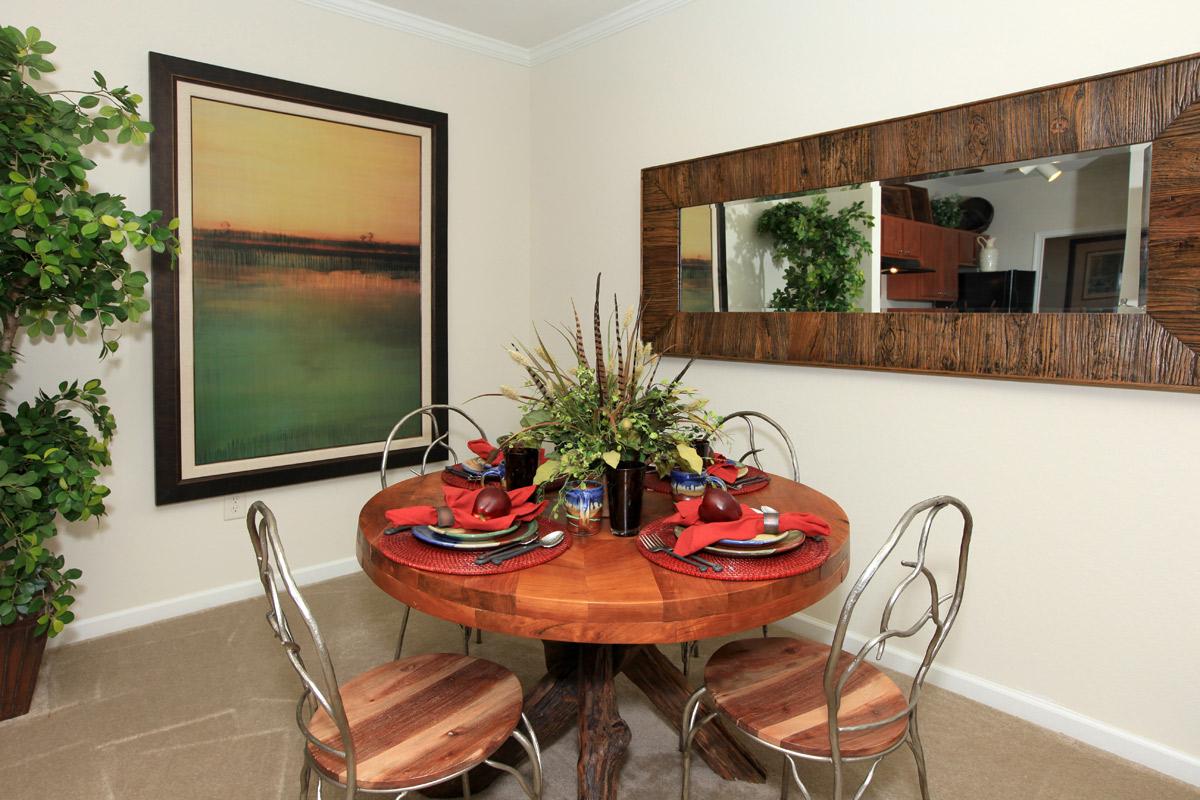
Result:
[
  {"x": 420, "y": 719},
  {"x": 773, "y": 689}
]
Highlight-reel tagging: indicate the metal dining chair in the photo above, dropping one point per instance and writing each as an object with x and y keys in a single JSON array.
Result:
[
  {"x": 439, "y": 438},
  {"x": 689, "y": 650},
  {"x": 402, "y": 726},
  {"x": 817, "y": 703},
  {"x": 748, "y": 417}
]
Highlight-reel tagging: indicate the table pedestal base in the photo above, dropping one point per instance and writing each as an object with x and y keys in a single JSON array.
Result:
[{"x": 578, "y": 688}]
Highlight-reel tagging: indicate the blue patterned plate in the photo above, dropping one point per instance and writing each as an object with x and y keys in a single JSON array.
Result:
[{"x": 524, "y": 533}]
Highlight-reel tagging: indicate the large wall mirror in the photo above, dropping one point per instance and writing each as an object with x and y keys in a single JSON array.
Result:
[{"x": 1052, "y": 235}]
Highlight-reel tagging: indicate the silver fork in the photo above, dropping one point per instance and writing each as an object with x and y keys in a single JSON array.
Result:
[{"x": 657, "y": 545}]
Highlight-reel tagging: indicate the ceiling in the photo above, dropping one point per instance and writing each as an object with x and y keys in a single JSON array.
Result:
[{"x": 525, "y": 23}]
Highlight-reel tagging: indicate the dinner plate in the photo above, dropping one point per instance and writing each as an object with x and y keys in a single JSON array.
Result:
[
  {"x": 527, "y": 532},
  {"x": 466, "y": 535},
  {"x": 762, "y": 540},
  {"x": 476, "y": 466},
  {"x": 792, "y": 540}
]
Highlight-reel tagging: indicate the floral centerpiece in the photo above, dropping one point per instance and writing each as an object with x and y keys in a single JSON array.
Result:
[{"x": 604, "y": 405}]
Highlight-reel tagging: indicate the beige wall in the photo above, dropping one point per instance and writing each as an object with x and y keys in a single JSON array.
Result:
[
  {"x": 141, "y": 554},
  {"x": 1082, "y": 587}
]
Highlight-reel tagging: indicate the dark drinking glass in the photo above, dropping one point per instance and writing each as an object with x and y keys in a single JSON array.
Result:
[
  {"x": 625, "y": 485},
  {"x": 520, "y": 465},
  {"x": 703, "y": 448}
]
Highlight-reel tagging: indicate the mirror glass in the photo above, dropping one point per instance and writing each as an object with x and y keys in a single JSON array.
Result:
[{"x": 1056, "y": 235}]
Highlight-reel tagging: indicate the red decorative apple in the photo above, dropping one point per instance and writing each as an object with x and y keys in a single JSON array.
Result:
[
  {"x": 491, "y": 502},
  {"x": 719, "y": 505}
]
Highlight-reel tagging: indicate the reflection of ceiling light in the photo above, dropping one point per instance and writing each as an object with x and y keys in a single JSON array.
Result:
[{"x": 1047, "y": 171}]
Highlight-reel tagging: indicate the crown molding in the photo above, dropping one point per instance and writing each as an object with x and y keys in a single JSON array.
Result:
[
  {"x": 617, "y": 21},
  {"x": 388, "y": 17}
]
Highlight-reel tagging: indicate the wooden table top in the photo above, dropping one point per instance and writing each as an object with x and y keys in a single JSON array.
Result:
[{"x": 602, "y": 590}]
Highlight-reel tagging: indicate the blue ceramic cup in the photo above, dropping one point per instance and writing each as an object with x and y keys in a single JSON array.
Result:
[
  {"x": 582, "y": 503},
  {"x": 688, "y": 485}
]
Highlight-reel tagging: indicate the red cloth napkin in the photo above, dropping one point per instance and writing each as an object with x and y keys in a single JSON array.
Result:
[
  {"x": 483, "y": 448},
  {"x": 723, "y": 468},
  {"x": 462, "y": 502},
  {"x": 696, "y": 534}
]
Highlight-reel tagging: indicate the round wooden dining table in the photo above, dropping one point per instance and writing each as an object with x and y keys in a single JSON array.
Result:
[{"x": 599, "y": 609}]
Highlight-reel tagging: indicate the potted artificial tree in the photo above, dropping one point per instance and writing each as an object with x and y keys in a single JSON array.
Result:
[
  {"x": 63, "y": 272},
  {"x": 823, "y": 251}
]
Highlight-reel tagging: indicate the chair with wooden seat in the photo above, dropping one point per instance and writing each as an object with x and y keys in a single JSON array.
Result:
[
  {"x": 401, "y": 726},
  {"x": 688, "y": 650},
  {"x": 439, "y": 439},
  {"x": 817, "y": 703}
]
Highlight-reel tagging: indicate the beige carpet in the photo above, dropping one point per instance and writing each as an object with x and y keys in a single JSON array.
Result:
[{"x": 202, "y": 707}]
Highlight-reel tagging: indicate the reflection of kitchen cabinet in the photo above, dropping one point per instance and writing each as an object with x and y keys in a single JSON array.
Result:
[
  {"x": 901, "y": 237},
  {"x": 942, "y": 250}
]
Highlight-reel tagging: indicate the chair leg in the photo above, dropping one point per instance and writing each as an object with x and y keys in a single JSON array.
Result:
[
  {"x": 466, "y": 640},
  {"x": 918, "y": 751},
  {"x": 785, "y": 783},
  {"x": 478, "y": 636},
  {"x": 305, "y": 778},
  {"x": 764, "y": 631},
  {"x": 403, "y": 628},
  {"x": 683, "y": 657},
  {"x": 466, "y": 784}
]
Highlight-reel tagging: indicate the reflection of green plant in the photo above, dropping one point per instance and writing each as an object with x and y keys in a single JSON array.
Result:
[
  {"x": 62, "y": 270},
  {"x": 823, "y": 252},
  {"x": 609, "y": 409},
  {"x": 947, "y": 211}
]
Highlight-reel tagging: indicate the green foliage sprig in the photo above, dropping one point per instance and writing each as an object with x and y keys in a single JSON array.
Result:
[
  {"x": 62, "y": 270},
  {"x": 947, "y": 211},
  {"x": 606, "y": 408},
  {"x": 823, "y": 252}
]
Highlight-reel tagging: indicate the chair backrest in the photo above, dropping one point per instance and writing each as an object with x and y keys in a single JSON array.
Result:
[
  {"x": 274, "y": 572},
  {"x": 748, "y": 417},
  {"x": 835, "y": 677},
  {"x": 438, "y": 436}
]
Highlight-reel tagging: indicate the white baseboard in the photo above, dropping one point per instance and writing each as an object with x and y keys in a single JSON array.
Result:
[
  {"x": 104, "y": 624},
  {"x": 1039, "y": 711}
]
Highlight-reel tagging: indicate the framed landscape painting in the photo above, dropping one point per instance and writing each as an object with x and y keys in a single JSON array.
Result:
[{"x": 307, "y": 312}]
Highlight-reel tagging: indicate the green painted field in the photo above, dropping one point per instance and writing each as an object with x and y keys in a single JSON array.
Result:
[{"x": 297, "y": 358}]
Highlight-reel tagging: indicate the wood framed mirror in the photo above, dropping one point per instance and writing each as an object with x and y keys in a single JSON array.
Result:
[{"x": 1151, "y": 343}]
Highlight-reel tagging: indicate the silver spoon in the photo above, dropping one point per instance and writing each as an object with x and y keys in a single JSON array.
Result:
[{"x": 552, "y": 539}]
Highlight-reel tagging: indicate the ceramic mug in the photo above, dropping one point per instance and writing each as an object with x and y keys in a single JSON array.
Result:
[
  {"x": 689, "y": 485},
  {"x": 582, "y": 503}
]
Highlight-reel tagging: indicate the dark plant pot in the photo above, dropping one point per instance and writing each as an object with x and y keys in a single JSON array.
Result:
[
  {"x": 520, "y": 465},
  {"x": 626, "y": 483},
  {"x": 20, "y": 658}
]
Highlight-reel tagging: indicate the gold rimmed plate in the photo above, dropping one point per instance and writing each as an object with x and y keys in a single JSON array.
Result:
[
  {"x": 789, "y": 541},
  {"x": 473, "y": 536},
  {"x": 525, "y": 532}
]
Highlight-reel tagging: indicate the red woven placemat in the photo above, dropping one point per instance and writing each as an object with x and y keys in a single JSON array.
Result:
[
  {"x": 404, "y": 548},
  {"x": 663, "y": 485},
  {"x": 804, "y": 558}
]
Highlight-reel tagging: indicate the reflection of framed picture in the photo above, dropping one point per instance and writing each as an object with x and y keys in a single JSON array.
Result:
[
  {"x": 1094, "y": 267},
  {"x": 897, "y": 202},
  {"x": 1102, "y": 274},
  {"x": 307, "y": 313}
]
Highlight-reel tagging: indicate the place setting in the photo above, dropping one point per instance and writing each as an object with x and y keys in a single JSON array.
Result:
[
  {"x": 715, "y": 536},
  {"x": 483, "y": 531},
  {"x": 734, "y": 476},
  {"x": 486, "y": 466}
]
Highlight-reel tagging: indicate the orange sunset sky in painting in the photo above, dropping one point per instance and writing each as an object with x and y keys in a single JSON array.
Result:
[{"x": 267, "y": 171}]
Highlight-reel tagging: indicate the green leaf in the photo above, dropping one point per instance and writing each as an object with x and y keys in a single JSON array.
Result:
[
  {"x": 612, "y": 458},
  {"x": 109, "y": 220},
  {"x": 32, "y": 35},
  {"x": 545, "y": 471},
  {"x": 89, "y": 101},
  {"x": 89, "y": 229}
]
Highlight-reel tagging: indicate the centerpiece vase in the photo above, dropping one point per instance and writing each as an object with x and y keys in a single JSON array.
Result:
[
  {"x": 626, "y": 483},
  {"x": 20, "y": 657}
]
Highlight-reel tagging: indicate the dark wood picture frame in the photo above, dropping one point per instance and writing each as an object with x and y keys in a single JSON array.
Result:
[
  {"x": 1156, "y": 103},
  {"x": 165, "y": 74}
]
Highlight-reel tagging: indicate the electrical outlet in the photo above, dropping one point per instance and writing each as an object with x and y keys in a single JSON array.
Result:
[{"x": 233, "y": 507}]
